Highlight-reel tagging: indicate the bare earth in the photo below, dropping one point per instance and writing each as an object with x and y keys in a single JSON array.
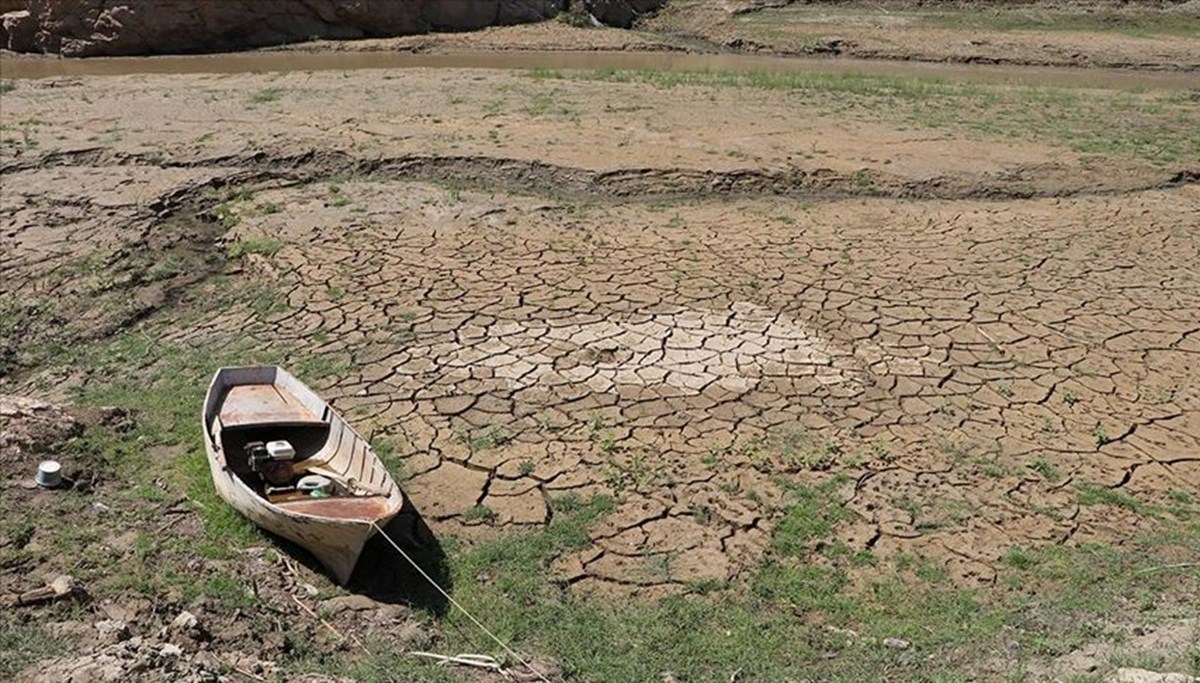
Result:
[
  {"x": 897, "y": 30},
  {"x": 682, "y": 297},
  {"x": 1045, "y": 33},
  {"x": 656, "y": 348}
]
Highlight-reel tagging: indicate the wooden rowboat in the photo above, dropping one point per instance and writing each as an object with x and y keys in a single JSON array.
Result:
[{"x": 250, "y": 406}]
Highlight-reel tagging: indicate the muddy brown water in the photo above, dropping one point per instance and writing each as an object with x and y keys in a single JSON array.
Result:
[{"x": 249, "y": 62}]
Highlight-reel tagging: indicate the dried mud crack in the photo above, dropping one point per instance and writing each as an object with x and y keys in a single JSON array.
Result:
[
  {"x": 688, "y": 364},
  {"x": 674, "y": 363}
]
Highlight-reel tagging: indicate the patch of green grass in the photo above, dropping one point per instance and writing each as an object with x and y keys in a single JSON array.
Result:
[
  {"x": 227, "y": 215},
  {"x": 989, "y": 462},
  {"x": 1095, "y": 494},
  {"x": 162, "y": 384},
  {"x": 795, "y": 449},
  {"x": 454, "y": 189},
  {"x": 313, "y": 366},
  {"x": 479, "y": 513},
  {"x": 22, "y": 644},
  {"x": 812, "y": 514},
  {"x": 543, "y": 104},
  {"x": 1030, "y": 18},
  {"x": 1019, "y": 558},
  {"x": 230, "y": 592},
  {"x": 542, "y": 74},
  {"x": 863, "y": 181},
  {"x": 807, "y": 588},
  {"x": 594, "y": 425},
  {"x": 1155, "y": 126},
  {"x": 491, "y": 436},
  {"x": 266, "y": 246},
  {"x": 713, "y": 633},
  {"x": 1045, "y": 468},
  {"x": 166, "y": 268},
  {"x": 1180, "y": 496},
  {"x": 385, "y": 447},
  {"x": 539, "y": 104},
  {"x": 7, "y": 87},
  {"x": 266, "y": 95}
]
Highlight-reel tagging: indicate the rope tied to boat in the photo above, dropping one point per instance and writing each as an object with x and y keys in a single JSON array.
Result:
[{"x": 504, "y": 646}]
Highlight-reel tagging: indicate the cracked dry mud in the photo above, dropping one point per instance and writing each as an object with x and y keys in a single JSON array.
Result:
[{"x": 967, "y": 364}]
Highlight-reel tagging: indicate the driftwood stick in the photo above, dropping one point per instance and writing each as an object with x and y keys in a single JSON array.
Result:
[
  {"x": 247, "y": 674},
  {"x": 329, "y": 626},
  {"x": 61, "y": 587},
  {"x": 1167, "y": 567},
  {"x": 479, "y": 661}
]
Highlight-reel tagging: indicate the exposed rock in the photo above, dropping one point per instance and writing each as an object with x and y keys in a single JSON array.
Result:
[
  {"x": 82, "y": 28},
  {"x": 186, "y": 630},
  {"x": 18, "y": 31},
  {"x": 112, "y": 631},
  {"x": 132, "y": 659},
  {"x": 353, "y": 603},
  {"x": 185, "y": 622},
  {"x": 621, "y": 13},
  {"x": 62, "y": 586},
  {"x": 119, "y": 611}
]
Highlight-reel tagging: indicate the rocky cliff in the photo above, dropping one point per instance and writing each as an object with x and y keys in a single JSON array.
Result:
[{"x": 82, "y": 28}]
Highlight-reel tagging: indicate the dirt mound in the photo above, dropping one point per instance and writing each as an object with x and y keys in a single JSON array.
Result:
[{"x": 31, "y": 426}]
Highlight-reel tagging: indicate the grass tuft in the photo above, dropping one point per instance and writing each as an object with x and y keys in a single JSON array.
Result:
[
  {"x": 265, "y": 246},
  {"x": 1095, "y": 494},
  {"x": 266, "y": 95}
]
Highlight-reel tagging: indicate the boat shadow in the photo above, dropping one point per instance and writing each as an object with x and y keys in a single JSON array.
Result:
[{"x": 384, "y": 575}]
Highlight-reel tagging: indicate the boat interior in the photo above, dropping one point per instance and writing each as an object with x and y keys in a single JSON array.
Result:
[{"x": 323, "y": 445}]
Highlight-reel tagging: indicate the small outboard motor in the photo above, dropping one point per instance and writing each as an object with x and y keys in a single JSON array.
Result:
[{"x": 271, "y": 460}]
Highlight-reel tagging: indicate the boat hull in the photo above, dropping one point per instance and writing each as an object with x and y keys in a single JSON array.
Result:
[
  {"x": 335, "y": 543},
  {"x": 335, "y": 538}
]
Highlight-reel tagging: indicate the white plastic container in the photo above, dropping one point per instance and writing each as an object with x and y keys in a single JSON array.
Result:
[
  {"x": 281, "y": 450},
  {"x": 49, "y": 474}
]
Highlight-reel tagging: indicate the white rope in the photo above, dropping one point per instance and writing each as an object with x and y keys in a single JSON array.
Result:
[{"x": 462, "y": 609}]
